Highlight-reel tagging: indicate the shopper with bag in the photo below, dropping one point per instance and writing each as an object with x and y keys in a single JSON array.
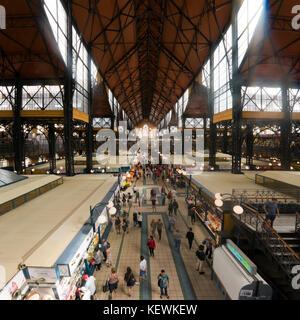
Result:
[
  {"x": 113, "y": 280},
  {"x": 130, "y": 280}
]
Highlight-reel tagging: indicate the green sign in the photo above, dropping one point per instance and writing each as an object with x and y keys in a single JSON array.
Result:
[{"x": 240, "y": 256}]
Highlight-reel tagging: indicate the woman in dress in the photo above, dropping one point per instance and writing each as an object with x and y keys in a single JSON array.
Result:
[{"x": 130, "y": 280}]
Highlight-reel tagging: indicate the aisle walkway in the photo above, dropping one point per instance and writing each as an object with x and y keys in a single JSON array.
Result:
[{"x": 185, "y": 281}]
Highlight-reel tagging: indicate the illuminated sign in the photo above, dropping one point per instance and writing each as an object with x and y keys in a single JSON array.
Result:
[{"x": 241, "y": 257}]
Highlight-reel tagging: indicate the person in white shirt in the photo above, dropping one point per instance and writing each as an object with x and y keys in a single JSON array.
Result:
[
  {"x": 90, "y": 285},
  {"x": 140, "y": 219},
  {"x": 143, "y": 268},
  {"x": 173, "y": 193},
  {"x": 85, "y": 293}
]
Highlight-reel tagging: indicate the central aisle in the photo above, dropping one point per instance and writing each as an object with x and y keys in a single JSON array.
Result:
[{"x": 185, "y": 281}]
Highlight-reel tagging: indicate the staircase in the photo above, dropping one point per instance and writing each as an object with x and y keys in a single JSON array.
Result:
[{"x": 282, "y": 250}]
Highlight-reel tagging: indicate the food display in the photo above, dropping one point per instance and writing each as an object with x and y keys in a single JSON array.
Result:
[
  {"x": 67, "y": 286},
  {"x": 92, "y": 247},
  {"x": 34, "y": 295},
  {"x": 214, "y": 222}
]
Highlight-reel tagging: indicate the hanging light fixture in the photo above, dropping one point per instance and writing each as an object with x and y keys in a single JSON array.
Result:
[
  {"x": 110, "y": 204},
  {"x": 238, "y": 209},
  {"x": 218, "y": 196},
  {"x": 218, "y": 203},
  {"x": 112, "y": 211}
]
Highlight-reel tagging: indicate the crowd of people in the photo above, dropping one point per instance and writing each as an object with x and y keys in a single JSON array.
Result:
[{"x": 121, "y": 221}]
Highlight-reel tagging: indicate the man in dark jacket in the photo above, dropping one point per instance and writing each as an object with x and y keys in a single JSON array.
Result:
[
  {"x": 175, "y": 207},
  {"x": 190, "y": 236},
  {"x": 201, "y": 258},
  {"x": 170, "y": 208}
]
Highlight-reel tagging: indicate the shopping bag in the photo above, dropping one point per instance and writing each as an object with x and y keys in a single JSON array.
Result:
[{"x": 105, "y": 287}]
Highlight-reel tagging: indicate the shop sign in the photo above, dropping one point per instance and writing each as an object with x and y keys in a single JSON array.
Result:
[{"x": 38, "y": 273}]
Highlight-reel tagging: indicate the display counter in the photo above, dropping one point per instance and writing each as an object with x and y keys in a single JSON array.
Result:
[{"x": 208, "y": 214}]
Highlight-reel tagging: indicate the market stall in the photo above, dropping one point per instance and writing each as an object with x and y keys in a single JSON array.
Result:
[
  {"x": 71, "y": 265},
  {"x": 207, "y": 212}
]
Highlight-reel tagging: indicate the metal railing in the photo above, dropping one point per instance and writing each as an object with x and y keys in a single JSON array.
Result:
[
  {"x": 263, "y": 195},
  {"x": 278, "y": 248}
]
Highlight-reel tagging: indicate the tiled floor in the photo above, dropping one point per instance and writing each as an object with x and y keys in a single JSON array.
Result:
[{"x": 129, "y": 248}]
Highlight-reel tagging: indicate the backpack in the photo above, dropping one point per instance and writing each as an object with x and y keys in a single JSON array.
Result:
[
  {"x": 200, "y": 255},
  {"x": 162, "y": 282}
]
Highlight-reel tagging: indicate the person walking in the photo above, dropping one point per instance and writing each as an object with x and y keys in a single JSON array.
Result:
[
  {"x": 172, "y": 222},
  {"x": 125, "y": 225},
  {"x": 118, "y": 225},
  {"x": 193, "y": 215},
  {"x": 175, "y": 207},
  {"x": 190, "y": 236},
  {"x": 135, "y": 219},
  {"x": 137, "y": 196},
  {"x": 104, "y": 248},
  {"x": 170, "y": 208},
  {"x": 163, "y": 283},
  {"x": 153, "y": 200},
  {"x": 109, "y": 256},
  {"x": 90, "y": 285},
  {"x": 159, "y": 226},
  {"x": 124, "y": 200},
  {"x": 98, "y": 258},
  {"x": 271, "y": 210},
  {"x": 173, "y": 192},
  {"x": 130, "y": 280},
  {"x": 153, "y": 227},
  {"x": 113, "y": 280},
  {"x": 143, "y": 268},
  {"x": 208, "y": 244},
  {"x": 129, "y": 201},
  {"x": 201, "y": 258},
  {"x": 177, "y": 237},
  {"x": 151, "y": 245},
  {"x": 140, "y": 219},
  {"x": 163, "y": 196}
]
